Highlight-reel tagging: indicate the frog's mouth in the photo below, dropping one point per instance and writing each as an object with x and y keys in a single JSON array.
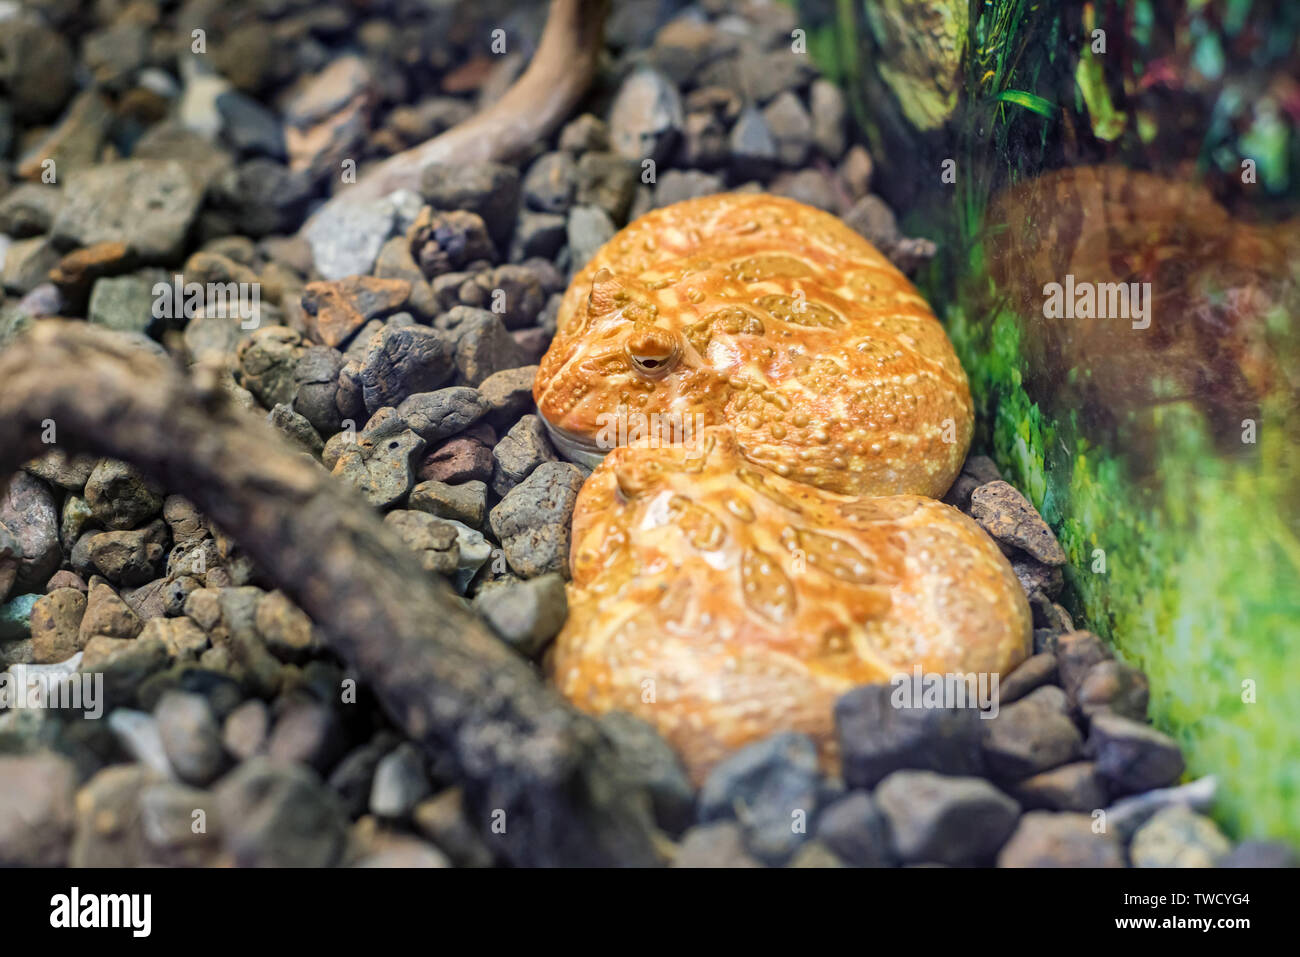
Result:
[{"x": 582, "y": 449}]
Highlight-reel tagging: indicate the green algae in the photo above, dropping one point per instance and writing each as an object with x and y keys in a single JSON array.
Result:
[{"x": 1196, "y": 580}]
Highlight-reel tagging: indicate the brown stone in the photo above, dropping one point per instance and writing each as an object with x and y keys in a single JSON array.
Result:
[
  {"x": 338, "y": 308},
  {"x": 56, "y": 623},
  {"x": 107, "y": 614},
  {"x": 1007, "y": 515},
  {"x": 76, "y": 272},
  {"x": 460, "y": 459}
]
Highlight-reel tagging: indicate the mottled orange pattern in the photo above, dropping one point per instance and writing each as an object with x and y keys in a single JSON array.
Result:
[
  {"x": 735, "y": 584},
  {"x": 771, "y": 317},
  {"x": 722, "y": 602}
]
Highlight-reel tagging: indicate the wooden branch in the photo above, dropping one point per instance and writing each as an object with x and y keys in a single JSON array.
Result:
[
  {"x": 556, "y": 79},
  {"x": 437, "y": 670}
]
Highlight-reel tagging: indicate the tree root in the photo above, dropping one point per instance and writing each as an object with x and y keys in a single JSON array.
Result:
[
  {"x": 556, "y": 79},
  {"x": 440, "y": 674}
]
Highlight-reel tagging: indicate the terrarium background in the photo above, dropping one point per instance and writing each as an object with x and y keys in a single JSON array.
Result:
[{"x": 1127, "y": 441}]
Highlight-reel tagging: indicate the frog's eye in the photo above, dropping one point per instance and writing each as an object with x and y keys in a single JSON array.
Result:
[{"x": 653, "y": 352}]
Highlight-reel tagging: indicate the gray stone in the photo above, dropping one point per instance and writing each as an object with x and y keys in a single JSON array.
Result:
[
  {"x": 36, "y": 809},
  {"x": 1178, "y": 837},
  {"x": 37, "y": 67},
  {"x": 753, "y": 148},
  {"x": 1028, "y": 737},
  {"x": 532, "y": 521},
  {"x": 296, "y": 427},
  {"x": 513, "y": 292},
  {"x": 249, "y": 126},
  {"x": 307, "y": 733},
  {"x": 491, "y": 190},
  {"x": 607, "y": 181},
  {"x": 538, "y": 234},
  {"x": 872, "y": 219},
  {"x": 263, "y": 197},
  {"x": 677, "y": 185},
  {"x": 485, "y": 347},
  {"x": 646, "y": 116},
  {"x": 549, "y": 185},
  {"x": 526, "y": 614},
  {"x": 1071, "y": 787},
  {"x": 278, "y": 815},
  {"x": 245, "y": 730},
  {"x": 137, "y": 733},
  {"x": 346, "y": 238},
  {"x": 1125, "y": 816},
  {"x": 435, "y": 542},
  {"x": 1044, "y": 839},
  {"x": 442, "y": 819},
  {"x": 404, "y": 361},
  {"x": 1116, "y": 687},
  {"x": 148, "y": 204},
  {"x": 435, "y": 416},
  {"x": 475, "y": 550},
  {"x": 1133, "y": 756},
  {"x": 31, "y": 524},
  {"x": 108, "y": 826},
  {"x": 119, "y": 496},
  {"x": 133, "y": 557},
  {"x": 586, "y": 132},
  {"x": 855, "y": 830},
  {"x": 266, "y": 363},
  {"x": 877, "y": 738},
  {"x": 589, "y": 228},
  {"x": 191, "y": 736},
  {"x": 317, "y": 373},
  {"x": 829, "y": 114},
  {"x": 1076, "y": 653},
  {"x": 1032, "y": 673},
  {"x": 714, "y": 845},
  {"x": 508, "y": 394},
  {"x": 791, "y": 128},
  {"x": 383, "y": 471},
  {"x": 945, "y": 820},
  {"x": 654, "y": 764},
  {"x": 167, "y": 825},
  {"x": 519, "y": 452},
  {"x": 465, "y": 502},
  {"x": 27, "y": 263},
  {"x": 399, "y": 783},
  {"x": 29, "y": 209},
  {"x": 771, "y": 788},
  {"x": 353, "y": 776}
]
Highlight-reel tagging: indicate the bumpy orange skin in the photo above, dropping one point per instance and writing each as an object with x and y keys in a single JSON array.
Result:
[
  {"x": 776, "y": 319},
  {"x": 721, "y": 602}
]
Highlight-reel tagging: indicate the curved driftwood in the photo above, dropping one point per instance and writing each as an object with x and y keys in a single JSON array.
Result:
[
  {"x": 539, "y": 100},
  {"x": 440, "y": 674}
]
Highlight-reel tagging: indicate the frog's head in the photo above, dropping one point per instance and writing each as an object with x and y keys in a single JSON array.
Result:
[{"x": 623, "y": 357}]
